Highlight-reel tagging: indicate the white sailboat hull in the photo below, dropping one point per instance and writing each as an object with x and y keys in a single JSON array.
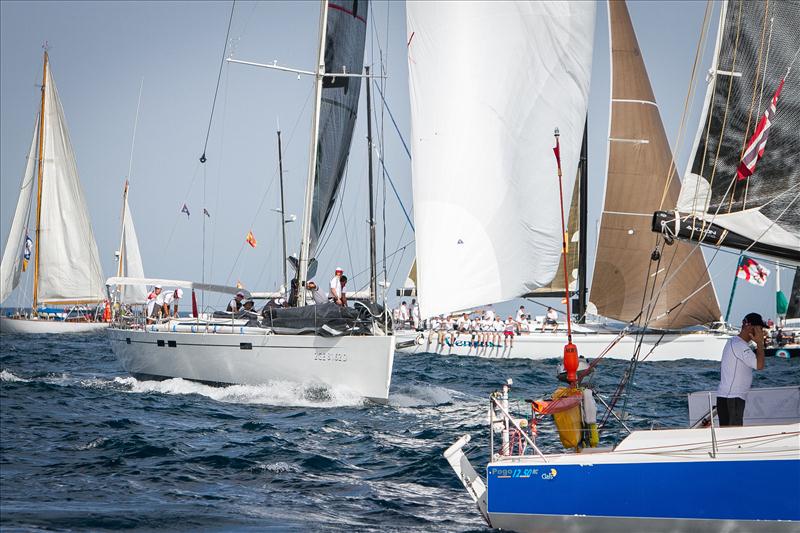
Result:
[
  {"x": 362, "y": 364},
  {"x": 706, "y": 346},
  {"x": 27, "y": 325}
]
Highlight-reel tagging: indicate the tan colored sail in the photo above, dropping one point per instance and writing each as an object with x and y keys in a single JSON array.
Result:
[{"x": 639, "y": 163}]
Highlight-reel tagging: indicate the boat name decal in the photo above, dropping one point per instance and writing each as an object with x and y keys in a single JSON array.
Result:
[{"x": 330, "y": 356}]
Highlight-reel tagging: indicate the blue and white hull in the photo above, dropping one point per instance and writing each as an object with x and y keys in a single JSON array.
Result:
[{"x": 731, "y": 479}]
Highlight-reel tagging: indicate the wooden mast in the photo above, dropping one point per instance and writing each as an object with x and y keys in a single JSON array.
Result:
[{"x": 39, "y": 188}]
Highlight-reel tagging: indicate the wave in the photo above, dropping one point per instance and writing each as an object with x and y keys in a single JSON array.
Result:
[
  {"x": 279, "y": 393},
  {"x": 422, "y": 396},
  {"x": 5, "y": 375}
]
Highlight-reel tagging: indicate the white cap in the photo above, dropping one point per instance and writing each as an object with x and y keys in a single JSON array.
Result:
[
  {"x": 157, "y": 287},
  {"x": 339, "y": 269},
  {"x": 179, "y": 293},
  {"x": 240, "y": 293}
]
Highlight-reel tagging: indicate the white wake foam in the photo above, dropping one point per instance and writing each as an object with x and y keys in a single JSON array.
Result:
[
  {"x": 281, "y": 393},
  {"x": 421, "y": 396},
  {"x": 5, "y": 375}
]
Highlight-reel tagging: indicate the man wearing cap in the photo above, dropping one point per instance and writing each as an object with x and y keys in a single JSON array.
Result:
[
  {"x": 336, "y": 286},
  {"x": 235, "y": 305},
  {"x": 316, "y": 294},
  {"x": 736, "y": 370},
  {"x": 171, "y": 298}
]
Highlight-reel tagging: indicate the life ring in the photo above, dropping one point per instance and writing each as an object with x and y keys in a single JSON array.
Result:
[{"x": 783, "y": 353}]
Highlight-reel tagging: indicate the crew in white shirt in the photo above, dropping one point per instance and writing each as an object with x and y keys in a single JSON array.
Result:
[
  {"x": 336, "y": 286},
  {"x": 171, "y": 298},
  {"x": 521, "y": 313},
  {"x": 736, "y": 370}
]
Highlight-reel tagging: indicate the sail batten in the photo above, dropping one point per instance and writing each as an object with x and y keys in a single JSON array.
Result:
[
  {"x": 640, "y": 172},
  {"x": 486, "y": 199}
]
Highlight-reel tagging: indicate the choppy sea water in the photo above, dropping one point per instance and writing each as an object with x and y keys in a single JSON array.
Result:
[{"x": 84, "y": 446}]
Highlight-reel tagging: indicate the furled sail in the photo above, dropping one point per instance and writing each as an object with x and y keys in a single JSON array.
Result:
[
  {"x": 345, "y": 37},
  {"x": 757, "y": 44},
  {"x": 793, "y": 309},
  {"x": 12, "y": 266},
  {"x": 68, "y": 260},
  {"x": 130, "y": 260},
  {"x": 489, "y": 82},
  {"x": 640, "y": 172}
]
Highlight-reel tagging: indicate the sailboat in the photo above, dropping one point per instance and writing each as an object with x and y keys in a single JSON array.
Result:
[
  {"x": 59, "y": 240},
  {"x": 696, "y": 473},
  {"x": 312, "y": 344},
  {"x": 487, "y": 201}
]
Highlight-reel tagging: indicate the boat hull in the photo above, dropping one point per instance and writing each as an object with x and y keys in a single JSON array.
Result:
[
  {"x": 671, "y": 347},
  {"x": 362, "y": 364},
  {"x": 28, "y": 326},
  {"x": 725, "y": 479}
]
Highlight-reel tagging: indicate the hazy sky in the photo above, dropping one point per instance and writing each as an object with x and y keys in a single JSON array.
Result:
[{"x": 101, "y": 51}]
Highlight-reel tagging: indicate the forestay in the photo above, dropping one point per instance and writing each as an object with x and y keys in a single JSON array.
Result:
[
  {"x": 758, "y": 42},
  {"x": 11, "y": 267},
  {"x": 345, "y": 36},
  {"x": 641, "y": 178},
  {"x": 489, "y": 82},
  {"x": 68, "y": 259}
]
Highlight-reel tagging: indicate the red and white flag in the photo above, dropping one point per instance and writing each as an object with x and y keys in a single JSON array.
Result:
[
  {"x": 758, "y": 142},
  {"x": 750, "y": 270}
]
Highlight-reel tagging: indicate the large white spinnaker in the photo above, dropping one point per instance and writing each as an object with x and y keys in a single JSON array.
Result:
[
  {"x": 12, "y": 265},
  {"x": 489, "y": 82},
  {"x": 68, "y": 260}
]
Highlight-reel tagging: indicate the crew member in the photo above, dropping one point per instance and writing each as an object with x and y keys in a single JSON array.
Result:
[{"x": 736, "y": 370}]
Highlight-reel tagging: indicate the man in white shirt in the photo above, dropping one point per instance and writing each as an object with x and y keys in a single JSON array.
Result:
[
  {"x": 151, "y": 301},
  {"x": 404, "y": 315},
  {"x": 521, "y": 313},
  {"x": 414, "y": 314},
  {"x": 171, "y": 298},
  {"x": 235, "y": 305},
  {"x": 551, "y": 319},
  {"x": 336, "y": 286},
  {"x": 736, "y": 370}
]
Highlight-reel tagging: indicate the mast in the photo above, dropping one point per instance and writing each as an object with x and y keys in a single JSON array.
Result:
[
  {"x": 583, "y": 224},
  {"x": 39, "y": 188},
  {"x": 373, "y": 276},
  {"x": 283, "y": 212},
  {"x": 305, "y": 242}
]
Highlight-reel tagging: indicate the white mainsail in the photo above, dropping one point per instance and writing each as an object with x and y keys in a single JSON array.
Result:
[
  {"x": 131, "y": 260},
  {"x": 68, "y": 260},
  {"x": 11, "y": 267},
  {"x": 489, "y": 82}
]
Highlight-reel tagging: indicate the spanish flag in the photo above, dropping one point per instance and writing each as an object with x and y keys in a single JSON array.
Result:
[{"x": 251, "y": 239}]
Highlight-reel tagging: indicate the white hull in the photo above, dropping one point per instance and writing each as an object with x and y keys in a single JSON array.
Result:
[
  {"x": 362, "y": 364},
  {"x": 547, "y": 345},
  {"x": 26, "y": 325}
]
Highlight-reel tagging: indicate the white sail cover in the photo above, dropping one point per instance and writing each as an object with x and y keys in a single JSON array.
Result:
[
  {"x": 489, "y": 82},
  {"x": 131, "y": 260},
  {"x": 11, "y": 267},
  {"x": 69, "y": 265}
]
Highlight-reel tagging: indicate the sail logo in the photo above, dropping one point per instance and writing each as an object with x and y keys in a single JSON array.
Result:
[
  {"x": 472, "y": 344},
  {"x": 550, "y": 475}
]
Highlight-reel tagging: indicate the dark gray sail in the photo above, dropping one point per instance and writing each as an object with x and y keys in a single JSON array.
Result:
[
  {"x": 757, "y": 45},
  {"x": 793, "y": 311},
  {"x": 345, "y": 36}
]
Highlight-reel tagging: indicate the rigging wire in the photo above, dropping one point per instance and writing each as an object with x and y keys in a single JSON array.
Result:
[{"x": 219, "y": 77}]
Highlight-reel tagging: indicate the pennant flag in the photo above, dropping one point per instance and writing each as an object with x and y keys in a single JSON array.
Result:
[
  {"x": 185, "y": 210},
  {"x": 206, "y": 213},
  {"x": 557, "y": 151},
  {"x": 749, "y": 270},
  {"x": 239, "y": 284},
  {"x": 251, "y": 239},
  {"x": 26, "y": 254},
  {"x": 758, "y": 142}
]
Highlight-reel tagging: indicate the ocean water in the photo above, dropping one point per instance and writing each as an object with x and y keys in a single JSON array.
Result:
[{"x": 84, "y": 446}]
